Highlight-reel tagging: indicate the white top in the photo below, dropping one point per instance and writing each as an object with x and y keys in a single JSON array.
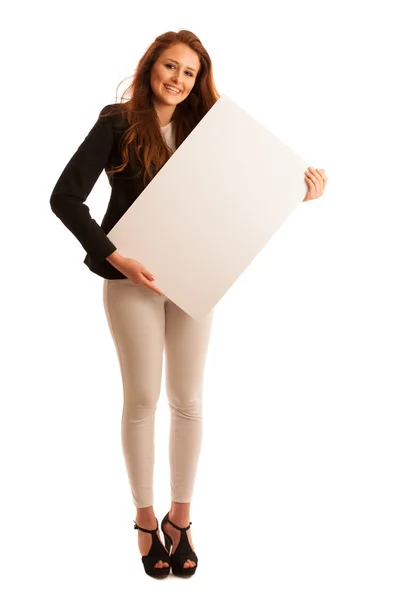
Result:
[{"x": 168, "y": 132}]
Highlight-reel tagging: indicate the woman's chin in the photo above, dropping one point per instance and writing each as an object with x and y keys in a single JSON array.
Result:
[{"x": 171, "y": 101}]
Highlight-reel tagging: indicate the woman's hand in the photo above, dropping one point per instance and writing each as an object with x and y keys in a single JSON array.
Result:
[
  {"x": 138, "y": 274},
  {"x": 316, "y": 181},
  {"x": 133, "y": 269}
]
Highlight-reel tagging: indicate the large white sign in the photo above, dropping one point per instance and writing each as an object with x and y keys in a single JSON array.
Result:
[{"x": 212, "y": 207}]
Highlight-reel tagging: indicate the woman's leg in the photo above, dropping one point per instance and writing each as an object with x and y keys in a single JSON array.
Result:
[
  {"x": 186, "y": 345},
  {"x": 136, "y": 319}
]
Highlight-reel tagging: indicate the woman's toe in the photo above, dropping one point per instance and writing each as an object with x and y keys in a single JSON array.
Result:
[
  {"x": 161, "y": 564},
  {"x": 189, "y": 564}
]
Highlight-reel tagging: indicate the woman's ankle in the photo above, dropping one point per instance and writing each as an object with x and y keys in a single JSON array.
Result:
[
  {"x": 179, "y": 513},
  {"x": 146, "y": 518}
]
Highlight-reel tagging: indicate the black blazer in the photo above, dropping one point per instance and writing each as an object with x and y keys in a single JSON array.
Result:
[{"x": 99, "y": 149}]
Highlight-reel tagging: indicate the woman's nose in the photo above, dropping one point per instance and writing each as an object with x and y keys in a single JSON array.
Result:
[{"x": 177, "y": 77}]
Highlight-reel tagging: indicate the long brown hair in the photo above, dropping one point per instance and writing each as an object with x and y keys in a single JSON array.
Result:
[{"x": 142, "y": 139}]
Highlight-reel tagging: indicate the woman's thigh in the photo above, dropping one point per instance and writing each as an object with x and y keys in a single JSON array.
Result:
[
  {"x": 136, "y": 319},
  {"x": 186, "y": 346}
]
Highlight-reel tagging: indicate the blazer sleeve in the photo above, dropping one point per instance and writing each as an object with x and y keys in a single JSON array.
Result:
[{"x": 75, "y": 184}]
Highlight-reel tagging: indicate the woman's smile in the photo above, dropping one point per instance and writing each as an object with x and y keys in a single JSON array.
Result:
[{"x": 171, "y": 89}]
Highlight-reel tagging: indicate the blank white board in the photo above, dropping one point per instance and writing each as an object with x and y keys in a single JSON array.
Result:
[{"x": 212, "y": 207}]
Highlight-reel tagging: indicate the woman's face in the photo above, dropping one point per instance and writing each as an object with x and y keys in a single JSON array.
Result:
[{"x": 176, "y": 67}]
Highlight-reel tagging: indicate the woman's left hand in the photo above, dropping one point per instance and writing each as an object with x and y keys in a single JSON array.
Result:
[{"x": 316, "y": 181}]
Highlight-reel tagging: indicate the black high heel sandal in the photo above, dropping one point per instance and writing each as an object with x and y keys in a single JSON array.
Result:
[
  {"x": 157, "y": 552},
  {"x": 183, "y": 551}
]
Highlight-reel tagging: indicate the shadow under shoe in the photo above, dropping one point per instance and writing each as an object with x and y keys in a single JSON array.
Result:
[
  {"x": 157, "y": 552},
  {"x": 183, "y": 551}
]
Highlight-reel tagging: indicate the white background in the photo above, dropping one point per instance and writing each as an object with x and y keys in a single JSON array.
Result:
[{"x": 297, "y": 491}]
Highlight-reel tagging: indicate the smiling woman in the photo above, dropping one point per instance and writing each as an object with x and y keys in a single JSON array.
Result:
[{"x": 172, "y": 90}]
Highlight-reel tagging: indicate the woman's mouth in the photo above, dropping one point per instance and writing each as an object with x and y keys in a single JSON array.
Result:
[{"x": 172, "y": 90}]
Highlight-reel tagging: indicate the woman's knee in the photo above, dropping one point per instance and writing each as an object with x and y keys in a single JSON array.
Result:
[
  {"x": 140, "y": 402},
  {"x": 186, "y": 404}
]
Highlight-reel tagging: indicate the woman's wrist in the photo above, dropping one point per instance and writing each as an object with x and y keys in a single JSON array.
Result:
[{"x": 117, "y": 260}]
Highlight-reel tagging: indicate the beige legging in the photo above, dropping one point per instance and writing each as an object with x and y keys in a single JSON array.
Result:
[{"x": 140, "y": 320}]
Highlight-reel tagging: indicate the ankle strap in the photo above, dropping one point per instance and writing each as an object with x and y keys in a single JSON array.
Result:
[
  {"x": 145, "y": 530},
  {"x": 176, "y": 526}
]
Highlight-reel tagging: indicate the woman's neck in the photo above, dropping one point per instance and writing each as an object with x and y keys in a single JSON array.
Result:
[{"x": 164, "y": 113}]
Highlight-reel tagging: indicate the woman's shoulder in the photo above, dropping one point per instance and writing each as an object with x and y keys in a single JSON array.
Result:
[{"x": 112, "y": 115}]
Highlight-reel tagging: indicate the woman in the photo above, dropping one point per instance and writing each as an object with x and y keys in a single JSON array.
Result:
[{"x": 173, "y": 88}]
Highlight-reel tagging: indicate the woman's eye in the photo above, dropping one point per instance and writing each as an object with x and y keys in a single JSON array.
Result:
[{"x": 187, "y": 72}]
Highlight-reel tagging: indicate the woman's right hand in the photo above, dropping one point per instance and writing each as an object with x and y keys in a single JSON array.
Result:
[
  {"x": 138, "y": 274},
  {"x": 133, "y": 269}
]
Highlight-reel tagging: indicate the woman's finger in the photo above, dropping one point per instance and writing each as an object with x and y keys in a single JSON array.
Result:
[
  {"x": 311, "y": 184},
  {"x": 319, "y": 181},
  {"x": 323, "y": 175},
  {"x": 317, "y": 177},
  {"x": 152, "y": 287}
]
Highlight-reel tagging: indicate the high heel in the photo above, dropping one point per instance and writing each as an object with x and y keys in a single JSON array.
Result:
[
  {"x": 157, "y": 552},
  {"x": 183, "y": 551}
]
